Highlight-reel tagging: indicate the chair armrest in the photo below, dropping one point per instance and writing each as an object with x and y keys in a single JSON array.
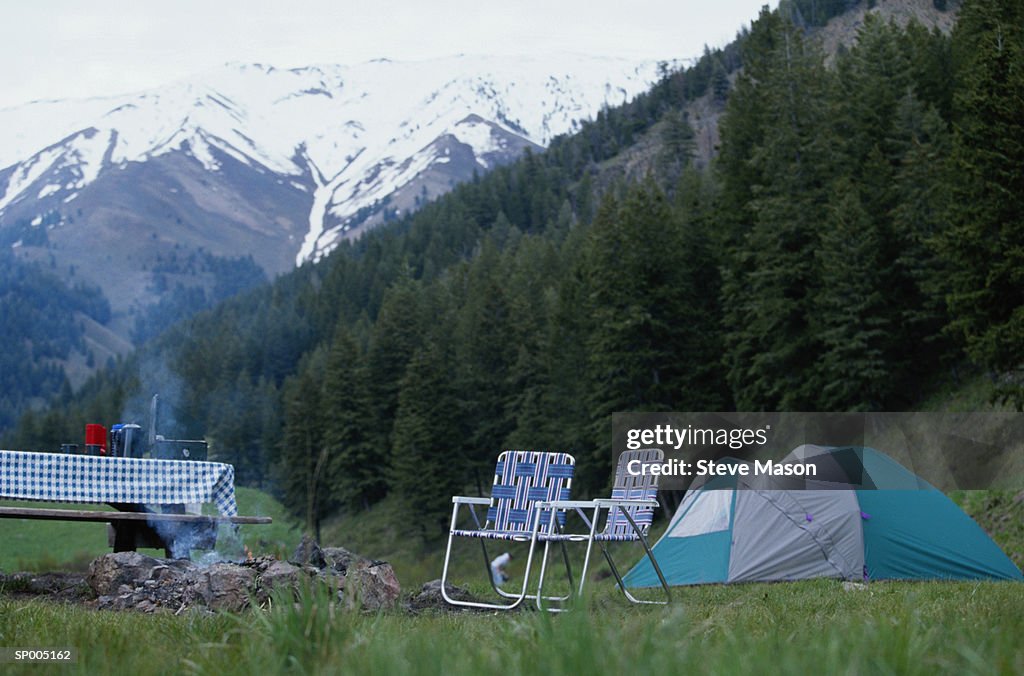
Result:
[
  {"x": 567, "y": 504},
  {"x": 464, "y": 500},
  {"x": 615, "y": 502}
]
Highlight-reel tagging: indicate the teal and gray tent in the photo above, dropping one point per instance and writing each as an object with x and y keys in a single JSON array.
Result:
[{"x": 752, "y": 529}]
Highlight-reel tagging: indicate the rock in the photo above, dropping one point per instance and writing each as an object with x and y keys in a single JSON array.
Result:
[
  {"x": 109, "y": 572},
  {"x": 854, "y": 586},
  {"x": 222, "y": 586},
  {"x": 281, "y": 575},
  {"x": 429, "y": 597},
  {"x": 175, "y": 570},
  {"x": 132, "y": 581},
  {"x": 340, "y": 558},
  {"x": 373, "y": 585},
  {"x": 308, "y": 552}
]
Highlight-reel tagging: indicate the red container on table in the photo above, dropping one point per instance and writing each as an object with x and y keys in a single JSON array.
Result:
[{"x": 95, "y": 439}]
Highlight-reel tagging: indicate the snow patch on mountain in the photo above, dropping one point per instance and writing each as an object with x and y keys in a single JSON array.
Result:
[
  {"x": 350, "y": 135},
  {"x": 479, "y": 135}
]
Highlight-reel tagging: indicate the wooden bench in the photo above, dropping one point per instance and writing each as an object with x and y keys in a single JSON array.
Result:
[{"x": 131, "y": 527}]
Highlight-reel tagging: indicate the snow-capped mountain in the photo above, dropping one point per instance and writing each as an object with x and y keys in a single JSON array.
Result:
[{"x": 281, "y": 164}]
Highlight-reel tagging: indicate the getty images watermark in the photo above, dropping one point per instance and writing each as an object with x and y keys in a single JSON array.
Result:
[
  {"x": 820, "y": 451},
  {"x": 690, "y": 437}
]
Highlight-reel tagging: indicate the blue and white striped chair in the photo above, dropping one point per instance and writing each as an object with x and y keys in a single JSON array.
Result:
[
  {"x": 630, "y": 512},
  {"x": 522, "y": 481}
]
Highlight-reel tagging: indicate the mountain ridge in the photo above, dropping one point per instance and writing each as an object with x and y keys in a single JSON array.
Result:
[{"x": 354, "y": 133}]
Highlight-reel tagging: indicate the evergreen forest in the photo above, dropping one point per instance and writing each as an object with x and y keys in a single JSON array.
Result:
[{"x": 857, "y": 240}]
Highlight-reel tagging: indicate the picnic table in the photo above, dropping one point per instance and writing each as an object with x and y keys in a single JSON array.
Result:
[{"x": 150, "y": 496}]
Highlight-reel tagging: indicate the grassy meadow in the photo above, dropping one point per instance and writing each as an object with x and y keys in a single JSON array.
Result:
[
  {"x": 811, "y": 627},
  {"x": 818, "y": 626},
  {"x": 807, "y": 627}
]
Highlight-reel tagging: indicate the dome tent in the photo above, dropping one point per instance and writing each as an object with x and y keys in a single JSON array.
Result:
[{"x": 893, "y": 525}]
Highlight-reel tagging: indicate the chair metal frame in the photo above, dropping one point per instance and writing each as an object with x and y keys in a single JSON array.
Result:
[
  {"x": 515, "y": 514},
  {"x": 632, "y": 497}
]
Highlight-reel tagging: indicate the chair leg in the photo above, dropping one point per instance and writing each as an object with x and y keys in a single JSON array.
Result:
[
  {"x": 590, "y": 546},
  {"x": 540, "y": 581},
  {"x": 540, "y": 598},
  {"x": 568, "y": 566},
  {"x": 650, "y": 556},
  {"x": 474, "y": 604},
  {"x": 618, "y": 578}
]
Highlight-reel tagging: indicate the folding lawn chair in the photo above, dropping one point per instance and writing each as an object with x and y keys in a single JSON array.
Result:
[
  {"x": 630, "y": 511},
  {"x": 522, "y": 480}
]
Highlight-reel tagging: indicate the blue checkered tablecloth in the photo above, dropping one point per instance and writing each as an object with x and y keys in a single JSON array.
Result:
[{"x": 57, "y": 477}]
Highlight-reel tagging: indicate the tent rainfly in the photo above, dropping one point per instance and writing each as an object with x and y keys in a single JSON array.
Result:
[{"x": 749, "y": 529}]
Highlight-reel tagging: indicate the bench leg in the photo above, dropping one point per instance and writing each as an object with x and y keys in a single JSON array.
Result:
[{"x": 124, "y": 537}]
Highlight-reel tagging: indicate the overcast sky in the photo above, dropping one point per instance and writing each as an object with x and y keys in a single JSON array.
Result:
[{"x": 69, "y": 48}]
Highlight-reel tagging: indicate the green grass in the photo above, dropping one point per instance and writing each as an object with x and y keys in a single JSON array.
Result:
[
  {"x": 65, "y": 545},
  {"x": 808, "y": 627},
  {"x": 815, "y": 626},
  {"x": 50, "y": 545}
]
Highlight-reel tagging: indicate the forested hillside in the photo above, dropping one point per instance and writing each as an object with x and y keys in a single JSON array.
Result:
[
  {"x": 857, "y": 239},
  {"x": 48, "y": 347},
  {"x": 40, "y": 327}
]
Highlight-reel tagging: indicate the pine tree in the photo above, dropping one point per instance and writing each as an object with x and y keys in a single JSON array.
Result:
[
  {"x": 676, "y": 146},
  {"x": 484, "y": 353},
  {"x": 235, "y": 426},
  {"x": 534, "y": 415},
  {"x": 396, "y": 335},
  {"x": 770, "y": 274},
  {"x": 919, "y": 223},
  {"x": 565, "y": 396},
  {"x": 852, "y": 318},
  {"x": 271, "y": 427},
  {"x": 356, "y": 473},
  {"x": 426, "y": 469},
  {"x": 640, "y": 307},
  {"x": 584, "y": 199},
  {"x": 303, "y": 458},
  {"x": 985, "y": 244},
  {"x": 702, "y": 385},
  {"x": 743, "y": 129},
  {"x": 719, "y": 82}
]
